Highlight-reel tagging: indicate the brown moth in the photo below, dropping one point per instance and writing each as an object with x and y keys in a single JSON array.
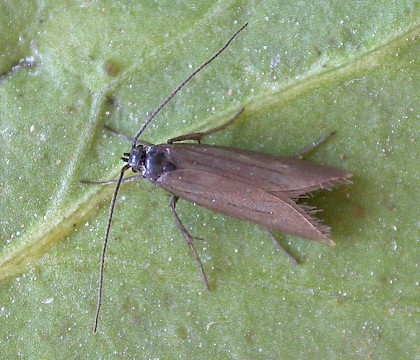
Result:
[{"x": 247, "y": 185}]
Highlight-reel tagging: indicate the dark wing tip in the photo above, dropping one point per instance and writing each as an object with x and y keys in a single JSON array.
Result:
[
  {"x": 328, "y": 185},
  {"x": 323, "y": 230}
]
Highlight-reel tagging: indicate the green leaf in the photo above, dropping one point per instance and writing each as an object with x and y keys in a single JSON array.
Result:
[{"x": 301, "y": 70}]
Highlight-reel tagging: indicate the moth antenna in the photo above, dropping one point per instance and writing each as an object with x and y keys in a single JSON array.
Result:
[
  {"x": 185, "y": 82},
  {"x": 108, "y": 227},
  {"x": 126, "y": 167}
]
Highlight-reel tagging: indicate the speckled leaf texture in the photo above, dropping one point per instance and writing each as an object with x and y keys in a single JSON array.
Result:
[{"x": 301, "y": 69}]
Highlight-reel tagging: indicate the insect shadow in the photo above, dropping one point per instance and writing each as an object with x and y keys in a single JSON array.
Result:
[{"x": 252, "y": 186}]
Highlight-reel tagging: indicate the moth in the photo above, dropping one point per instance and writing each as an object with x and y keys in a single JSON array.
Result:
[{"x": 252, "y": 186}]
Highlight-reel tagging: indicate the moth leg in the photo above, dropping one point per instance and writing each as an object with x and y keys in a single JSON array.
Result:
[
  {"x": 313, "y": 147},
  {"x": 189, "y": 239},
  {"x": 125, "y": 137},
  {"x": 199, "y": 136},
  {"x": 280, "y": 248},
  {"x": 112, "y": 182},
  {"x": 121, "y": 136}
]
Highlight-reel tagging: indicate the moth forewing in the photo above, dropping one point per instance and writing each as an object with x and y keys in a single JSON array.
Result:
[
  {"x": 290, "y": 177},
  {"x": 251, "y": 186}
]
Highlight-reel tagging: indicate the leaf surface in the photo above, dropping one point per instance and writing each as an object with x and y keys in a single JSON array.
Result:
[{"x": 301, "y": 70}]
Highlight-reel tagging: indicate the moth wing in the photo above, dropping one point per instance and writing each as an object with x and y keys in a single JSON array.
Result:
[
  {"x": 281, "y": 176},
  {"x": 244, "y": 201}
]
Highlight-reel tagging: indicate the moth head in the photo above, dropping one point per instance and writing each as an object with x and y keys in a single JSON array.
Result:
[{"x": 136, "y": 157}]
